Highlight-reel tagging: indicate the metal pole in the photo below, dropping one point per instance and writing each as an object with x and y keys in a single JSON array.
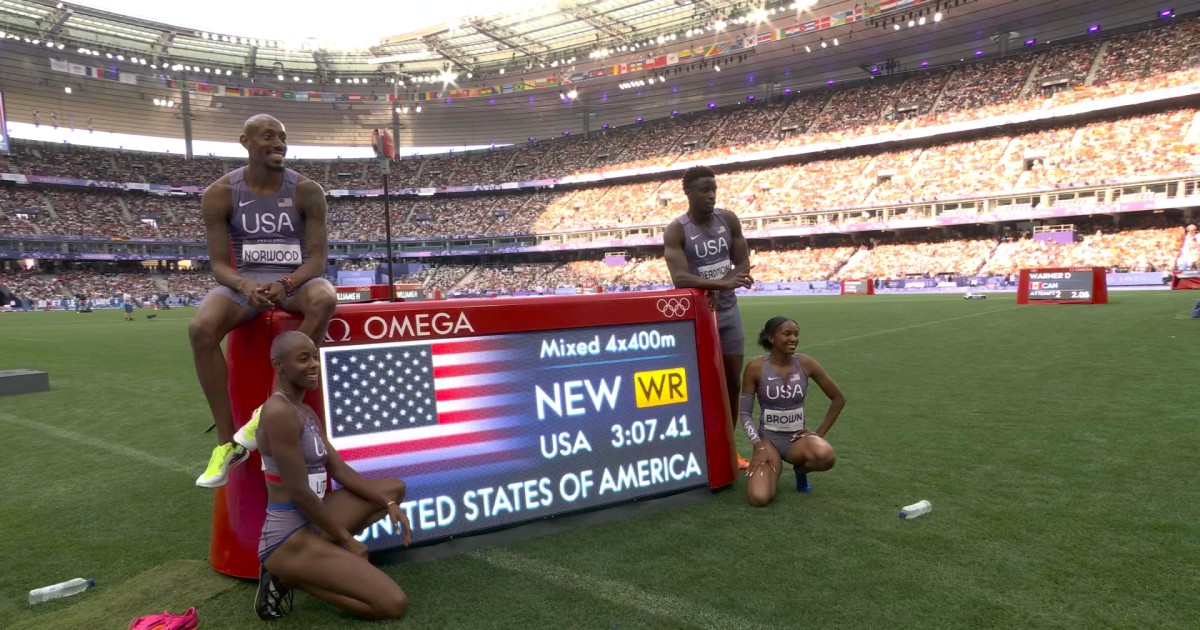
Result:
[{"x": 387, "y": 228}]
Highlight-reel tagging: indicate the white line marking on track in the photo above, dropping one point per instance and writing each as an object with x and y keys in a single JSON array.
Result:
[
  {"x": 909, "y": 327},
  {"x": 619, "y": 593},
  {"x": 87, "y": 440}
]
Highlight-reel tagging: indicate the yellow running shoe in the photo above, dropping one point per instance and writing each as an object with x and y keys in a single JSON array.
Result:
[
  {"x": 247, "y": 436},
  {"x": 224, "y": 457}
]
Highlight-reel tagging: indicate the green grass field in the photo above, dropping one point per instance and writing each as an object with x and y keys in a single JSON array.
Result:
[{"x": 1056, "y": 443}]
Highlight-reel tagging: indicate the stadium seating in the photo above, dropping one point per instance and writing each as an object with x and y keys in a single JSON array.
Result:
[{"x": 1143, "y": 145}]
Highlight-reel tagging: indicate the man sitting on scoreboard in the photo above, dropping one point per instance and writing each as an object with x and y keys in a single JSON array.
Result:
[
  {"x": 267, "y": 243},
  {"x": 705, "y": 250}
]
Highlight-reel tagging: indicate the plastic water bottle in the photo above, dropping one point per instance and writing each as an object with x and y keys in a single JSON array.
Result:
[
  {"x": 916, "y": 509},
  {"x": 62, "y": 589}
]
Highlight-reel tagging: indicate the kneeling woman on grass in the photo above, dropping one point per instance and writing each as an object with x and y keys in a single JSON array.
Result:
[
  {"x": 779, "y": 381},
  {"x": 307, "y": 540}
]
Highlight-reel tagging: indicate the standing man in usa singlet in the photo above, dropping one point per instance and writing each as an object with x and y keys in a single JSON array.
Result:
[
  {"x": 705, "y": 250},
  {"x": 267, "y": 242},
  {"x": 779, "y": 381}
]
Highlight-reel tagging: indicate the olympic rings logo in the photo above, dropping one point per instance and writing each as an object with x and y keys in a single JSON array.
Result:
[{"x": 672, "y": 307}]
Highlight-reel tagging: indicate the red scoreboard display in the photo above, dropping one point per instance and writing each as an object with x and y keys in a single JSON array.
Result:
[
  {"x": 501, "y": 411},
  {"x": 858, "y": 287},
  {"x": 1063, "y": 285}
]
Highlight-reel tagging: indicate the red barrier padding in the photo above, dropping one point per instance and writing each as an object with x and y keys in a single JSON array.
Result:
[
  {"x": 1181, "y": 282},
  {"x": 239, "y": 507}
]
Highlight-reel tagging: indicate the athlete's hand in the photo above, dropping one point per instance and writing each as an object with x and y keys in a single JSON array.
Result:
[
  {"x": 273, "y": 292},
  {"x": 760, "y": 463},
  {"x": 713, "y": 298},
  {"x": 254, "y": 296},
  {"x": 739, "y": 277},
  {"x": 803, "y": 433},
  {"x": 745, "y": 280},
  {"x": 400, "y": 519},
  {"x": 353, "y": 546}
]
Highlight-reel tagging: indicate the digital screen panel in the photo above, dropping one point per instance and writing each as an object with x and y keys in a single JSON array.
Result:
[
  {"x": 1061, "y": 286},
  {"x": 354, "y": 294},
  {"x": 857, "y": 287},
  {"x": 496, "y": 430}
]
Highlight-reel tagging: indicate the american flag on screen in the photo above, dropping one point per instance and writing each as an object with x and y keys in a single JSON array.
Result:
[
  {"x": 376, "y": 390},
  {"x": 411, "y": 407}
]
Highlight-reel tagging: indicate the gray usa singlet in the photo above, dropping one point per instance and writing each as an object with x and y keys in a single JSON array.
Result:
[
  {"x": 266, "y": 234},
  {"x": 708, "y": 251},
  {"x": 781, "y": 398}
]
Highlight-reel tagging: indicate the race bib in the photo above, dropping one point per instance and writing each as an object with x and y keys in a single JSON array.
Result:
[
  {"x": 318, "y": 483},
  {"x": 271, "y": 254},
  {"x": 776, "y": 420},
  {"x": 715, "y": 270}
]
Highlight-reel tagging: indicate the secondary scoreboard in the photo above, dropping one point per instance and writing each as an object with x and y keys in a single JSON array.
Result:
[
  {"x": 1063, "y": 285},
  {"x": 497, "y": 412},
  {"x": 858, "y": 287}
]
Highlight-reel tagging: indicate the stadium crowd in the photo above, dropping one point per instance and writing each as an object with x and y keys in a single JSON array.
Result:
[
  {"x": 1092, "y": 153},
  {"x": 1064, "y": 157},
  {"x": 1149, "y": 243},
  {"x": 1137, "y": 61}
]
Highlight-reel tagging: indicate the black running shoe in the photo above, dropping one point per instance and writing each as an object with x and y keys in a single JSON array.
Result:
[{"x": 273, "y": 600}]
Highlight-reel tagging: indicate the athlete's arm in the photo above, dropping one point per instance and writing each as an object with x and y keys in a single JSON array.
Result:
[
  {"x": 352, "y": 481},
  {"x": 678, "y": 267},
  {"x": 216, "y": 205},
  {"x": 837, "y": 400},
  {"x": 750, "y": 378},
  {"x": 739, "y": 252},
  {"x": 310, "y": 201},
  {"x": 762, "y": 448},
  {"x": 283, "y": 434}
]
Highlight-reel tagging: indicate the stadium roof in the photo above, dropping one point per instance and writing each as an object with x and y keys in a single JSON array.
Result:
[
  {"x": 558, "y": 34},
  {"x": 552, "y": 43}
]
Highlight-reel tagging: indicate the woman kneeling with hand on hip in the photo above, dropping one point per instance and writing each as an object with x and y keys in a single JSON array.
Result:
[
  {"x": 779, "y": 381},
  {"x": 307, "y": 540}
]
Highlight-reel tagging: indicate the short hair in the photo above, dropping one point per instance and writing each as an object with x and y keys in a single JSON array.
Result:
[
  {"x": 257, "y": 120},
  {"x": 770, "y": 328},
  {"x": 697, "y": 172},
  {"x": 285, "y": 342}
]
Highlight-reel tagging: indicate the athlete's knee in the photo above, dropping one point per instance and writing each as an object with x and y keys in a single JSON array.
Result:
[
  {"x": 203, "y": 333},
  {"x": 822, "y": 458},
  {"x": 758, "y": 497},
  {"x": 391, "y": 606},
  {"x": 322, "y": 300}
]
